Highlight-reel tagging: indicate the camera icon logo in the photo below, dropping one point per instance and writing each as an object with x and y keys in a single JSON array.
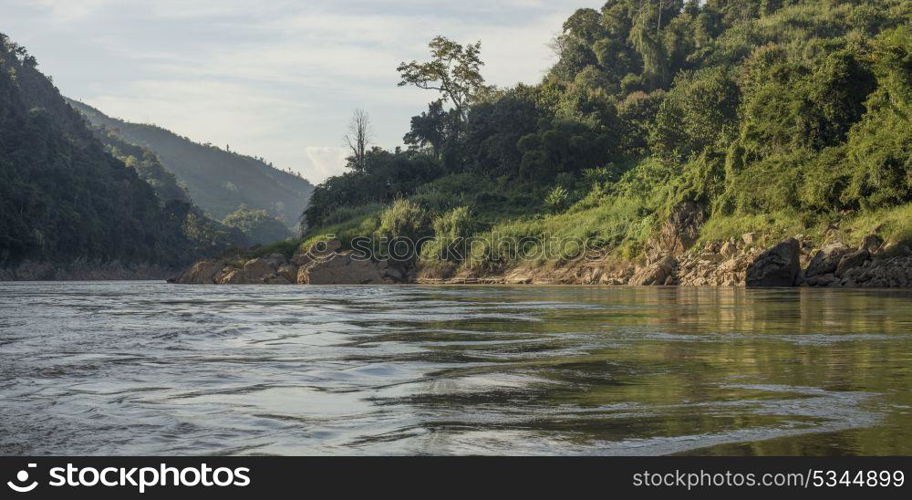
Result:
[{"x": 22, "y": 477}]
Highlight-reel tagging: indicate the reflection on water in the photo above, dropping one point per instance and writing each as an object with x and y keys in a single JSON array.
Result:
[{"x": 151, "y": 368}]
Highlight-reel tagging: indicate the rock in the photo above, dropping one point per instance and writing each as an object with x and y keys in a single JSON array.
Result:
[
  {"x": 728, "y": 249},
  {"x": 301, "y": 258},
  {"x": 822, "y": 280},
  {"x": 257, "y": 270},
  {"x": 303, "y": 275},
  {"x": 852, "y": 260},
  {"x": 679, "y": 233},
  {"x": 275, "y": 260},
  {"x": 654, "y": 274},
  {"x": 277, "y": 279},
  {"x": 289, "y": 272},
  {"x": 826, "y": 259},
  {"x": 203, "y": 272},
  {"x": 777, "y": 266},
  {"x": 233, "y": 276},
  {"x": 344, "y": 269}
]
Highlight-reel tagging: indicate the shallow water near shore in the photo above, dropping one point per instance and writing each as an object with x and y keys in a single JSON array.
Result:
[{"x": 151, "y": 368}]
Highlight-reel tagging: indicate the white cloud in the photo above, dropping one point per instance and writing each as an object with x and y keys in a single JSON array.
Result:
[
  {"x": 276, "y": 79},
  {"x": 325, "y": 161}
]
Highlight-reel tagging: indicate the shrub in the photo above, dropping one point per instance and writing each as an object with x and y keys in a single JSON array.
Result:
[
  {"x": 404, "y": 219},
  {"x": 557, "y": 199}
]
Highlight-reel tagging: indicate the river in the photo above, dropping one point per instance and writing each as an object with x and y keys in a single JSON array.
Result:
[{"x": 150, "y": 368}]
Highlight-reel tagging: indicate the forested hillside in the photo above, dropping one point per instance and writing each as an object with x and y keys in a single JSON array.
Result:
[
  {"x": 243, "y": 227},
  {"x": 218, "y": 181},
  {"x": 777, "y": 117},
  {"x": 65, "y": 199}
]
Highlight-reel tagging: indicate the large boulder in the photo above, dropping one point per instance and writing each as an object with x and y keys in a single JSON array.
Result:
[
  {"x": 852, "y": 260},
  {"x": 345, "y": 268},
  {"x": 658, "y": 273},
  {"x": 259, "y": 269},
  {"x": 777, "y": 266},
  {"x": 202, "y": 272},
  {"x": 234, "y": 276},
  {"x": 826, "y": 259},
  {"x": 288, "y": 271},
  {"x": 275, "y": 260},
  {"x": 256, "y": 271}
]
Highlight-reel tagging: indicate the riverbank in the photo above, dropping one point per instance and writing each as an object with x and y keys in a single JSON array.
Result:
[
  {"x": 792, "y": 262},
  {"x": 673, "y": 255},
  {"x": 84, "y": 271}
]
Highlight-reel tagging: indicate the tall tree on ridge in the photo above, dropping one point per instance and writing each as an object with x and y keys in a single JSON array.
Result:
[{"x": 454, "y": 71}]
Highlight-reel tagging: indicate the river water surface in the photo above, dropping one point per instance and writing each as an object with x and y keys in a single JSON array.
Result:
[{"x": 151, "y": 368}]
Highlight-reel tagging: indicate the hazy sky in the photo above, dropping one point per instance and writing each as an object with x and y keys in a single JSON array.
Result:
[{"x": 272, "y": 78}]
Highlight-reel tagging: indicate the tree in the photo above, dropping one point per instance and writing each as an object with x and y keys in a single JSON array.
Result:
[
  {"x": 257, "y": 225},
  {"x": 358, "y": 139},
  {"x": 453, "y": 71},
  {"x": 430, "y": 128}
]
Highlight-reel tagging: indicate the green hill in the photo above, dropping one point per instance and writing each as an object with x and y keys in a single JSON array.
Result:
[
  {"x": 65, "y": 199},
  {"x": 218, "y": 181},
  {"x": 777, "y": 117}
]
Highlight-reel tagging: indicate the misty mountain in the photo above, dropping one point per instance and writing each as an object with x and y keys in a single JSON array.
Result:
[{"x": 218, "y": 181}]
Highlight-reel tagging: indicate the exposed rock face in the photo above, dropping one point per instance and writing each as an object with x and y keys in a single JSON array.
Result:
[
  {"x": 233, "y": 276},
  {"x": 893, "y": 272},
  {"x": 259, "y": 269},
  {"x": 346, "y": 268},
  {"x": 826, "y": 259},
  {"x": 679, "y": 232},
  {"x": 203, "y": 272},
  {"x": 717, "y": 265},
  {"x": 659, "y": 273},
  {"x": 289, "y": 272},
  {"x": 778, "y": 266},
  {"x": 735, "y": 262},
  {"x": 272, "y": 269},
  {"x": 851, "y": 261}
]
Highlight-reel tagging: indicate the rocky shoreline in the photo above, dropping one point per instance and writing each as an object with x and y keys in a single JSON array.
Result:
[
  {"x": 793, "y": 262},
  {"x": 83, "y": 271}
]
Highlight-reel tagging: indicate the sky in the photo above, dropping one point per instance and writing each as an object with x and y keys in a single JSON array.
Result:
[{"x": 273, "y": 78}]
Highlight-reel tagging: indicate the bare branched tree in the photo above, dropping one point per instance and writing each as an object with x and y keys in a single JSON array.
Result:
[{"x": 358, "y": 138}]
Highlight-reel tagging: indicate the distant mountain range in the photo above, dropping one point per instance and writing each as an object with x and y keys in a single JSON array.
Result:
[
  {"x": 218, "y": 181},
  {"x": 83, "y": 195}
]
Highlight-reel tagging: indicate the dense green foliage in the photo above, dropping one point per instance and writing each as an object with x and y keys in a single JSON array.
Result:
[
  {"x": 777, "y": 116},
  {"x": 218, "y": 181},
  {"x": 145, "y": 163},
  {"x": 257, "y": 225},
  {"x": 64, "y": 198},
  {"x": 206, "y": 236}
]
